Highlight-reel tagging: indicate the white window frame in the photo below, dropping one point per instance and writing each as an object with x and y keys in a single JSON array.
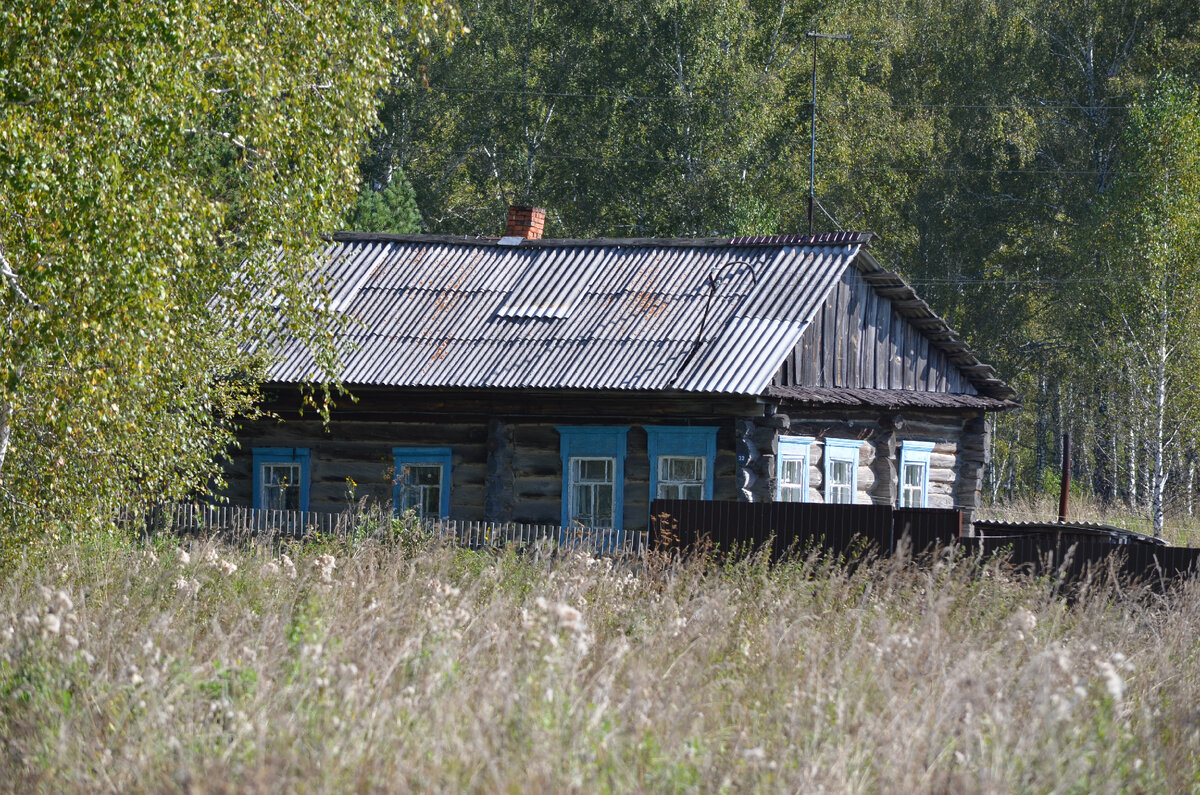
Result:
[
  {"x": 793, "y": 449},
  {"x": 594, "y": 442},
  {"x": 576, "y": 480},
  {"x": 440, "y": 457},
  {"x": 914, "y": 453},
  {"x": 682, "y": 441},
  {"x": 842, "y": 451},
  {"x": 663, "y": 479},
  {"x": 264, "y": 457}
]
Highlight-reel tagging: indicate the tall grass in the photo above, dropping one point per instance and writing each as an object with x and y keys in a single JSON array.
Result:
[{"x": 389, "y": 666}]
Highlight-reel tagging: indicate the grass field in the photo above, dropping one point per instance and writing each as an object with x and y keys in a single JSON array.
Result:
[{"x": 368, "y": 666}]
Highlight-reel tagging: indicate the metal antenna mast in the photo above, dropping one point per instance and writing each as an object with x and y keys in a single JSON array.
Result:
[{"x": 812, "y": 151}]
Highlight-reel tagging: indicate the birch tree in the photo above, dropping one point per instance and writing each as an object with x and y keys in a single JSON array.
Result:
[
  {"x": 1146, "y": 282},
  {"x": 155, "y": 155}
]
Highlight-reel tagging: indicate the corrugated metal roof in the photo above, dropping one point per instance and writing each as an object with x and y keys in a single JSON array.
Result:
[{"x": 693, "y": 315}]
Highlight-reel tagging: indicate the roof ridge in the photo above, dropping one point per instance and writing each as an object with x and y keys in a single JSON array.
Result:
[{"x": 823, "y": 239}]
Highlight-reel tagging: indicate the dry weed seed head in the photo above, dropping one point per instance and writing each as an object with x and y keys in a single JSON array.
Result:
[
  {"x": 1113, "y": 682},
  {"x": 324, "y": 565},
  {"x": 51, "y": 624},
  {"x": 443, "y": 610},
  {"x": 186, "y": 587},
  {"x": 559, "y": 616},
  {"x": 1022, "y": 622}
]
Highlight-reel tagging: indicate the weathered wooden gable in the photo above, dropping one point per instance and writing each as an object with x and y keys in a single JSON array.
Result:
[{"x": 860, "y": 339}]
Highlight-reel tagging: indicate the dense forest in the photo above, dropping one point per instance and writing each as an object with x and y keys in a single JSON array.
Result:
[{"x": 1030, "y": 166}]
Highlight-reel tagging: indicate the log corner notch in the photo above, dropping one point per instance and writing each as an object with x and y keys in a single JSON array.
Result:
[
  {"x": 973, "y": 461},
  {"x": 886, "y": 466},
  {"x": 749, "y": 484}
]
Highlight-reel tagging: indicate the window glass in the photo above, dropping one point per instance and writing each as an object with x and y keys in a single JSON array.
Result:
[
  {"x": 280, "y": 478},
  {"x": 792, "y": 480},
  {"x": 841, "y": 482},
  {"x": 421, "y": 489},
  {"x": 791, "y": 469},
  {"x": 680, "y": 477},
  {"x": 915, "y": 456},
  {"x": 912, "y": 489},
  {"x": 591, "y": 489},
  {"x": 281, "y": 487},
  {"x": 422, "y": 481}
]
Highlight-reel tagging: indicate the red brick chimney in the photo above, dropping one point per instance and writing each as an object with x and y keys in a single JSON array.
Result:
[{"x": 526, "y": 222}]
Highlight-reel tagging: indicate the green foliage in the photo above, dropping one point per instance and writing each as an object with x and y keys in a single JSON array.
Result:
[
  {"x": 976, "y": 137},
  {"x": 392, "y": 209},
  {"x": 1145, "y": 234},
  {"x": 165, "y": 168}
]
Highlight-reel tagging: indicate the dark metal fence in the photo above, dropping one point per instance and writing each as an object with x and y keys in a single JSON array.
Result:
[
  {"x": 1071, "y": 557},
  {"x": 1064, "y": 551},
  {"x": 792, "y": 527}
]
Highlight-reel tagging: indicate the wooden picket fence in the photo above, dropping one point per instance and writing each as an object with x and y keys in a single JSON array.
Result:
[{"x": 244, "y": 524}]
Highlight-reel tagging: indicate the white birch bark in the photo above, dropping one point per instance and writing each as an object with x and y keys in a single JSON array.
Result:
[
  {"x": 6, "y": 408},
  {"x": 1160, "y": 409},
  {"x": 6, "y": 412},
  {"x": 1133, "y": 464},
  {"x": 1191, "y": 484}
]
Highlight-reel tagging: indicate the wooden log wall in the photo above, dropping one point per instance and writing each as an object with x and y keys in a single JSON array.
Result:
[
  {"x": 506, "y": 465},
  {"x": 858, "y": 339},
  {"x": 362, "y": 452},
  {"x": 955, "y": 464},
  {"x": 505, "y": 462}
]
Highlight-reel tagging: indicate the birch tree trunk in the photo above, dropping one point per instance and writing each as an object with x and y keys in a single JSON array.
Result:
[
  {"x": 1133, "y": 465},
  {"x": 6, "y": 413},
  {"x": 1160, "y": 409},
  {"x": 1191, "y": 483}
]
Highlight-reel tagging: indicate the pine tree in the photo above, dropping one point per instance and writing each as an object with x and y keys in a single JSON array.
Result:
[{"x": 393, "y": 209}]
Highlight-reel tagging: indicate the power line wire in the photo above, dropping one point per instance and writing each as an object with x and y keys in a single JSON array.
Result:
[
  {"x": 1036, "y": 104},
  {"x": 747, "y": 166}
]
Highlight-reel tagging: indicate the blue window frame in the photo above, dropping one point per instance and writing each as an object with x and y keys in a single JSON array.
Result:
[
  {"x": 914, "y": 474},
  {"x": 841, "y": 470},
  {"x": 422, "y": 481},
  {"x": 681, "y": 461},
  {"x": 791, "y": 468},
  {"x": 593, "y": 475},
  {"x": 281, "y": 478}
]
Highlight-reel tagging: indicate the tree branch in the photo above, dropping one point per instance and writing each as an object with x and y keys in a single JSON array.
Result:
[
  {"x": 14, "y": 280},
  {"x": 235, "y": 140}
]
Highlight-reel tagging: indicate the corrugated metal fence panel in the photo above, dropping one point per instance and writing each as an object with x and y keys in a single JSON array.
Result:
[
  {"x": 1073, "y": 558},
  {"x": 795, "y": 528},
  {"x": 925, "y": 527}
]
